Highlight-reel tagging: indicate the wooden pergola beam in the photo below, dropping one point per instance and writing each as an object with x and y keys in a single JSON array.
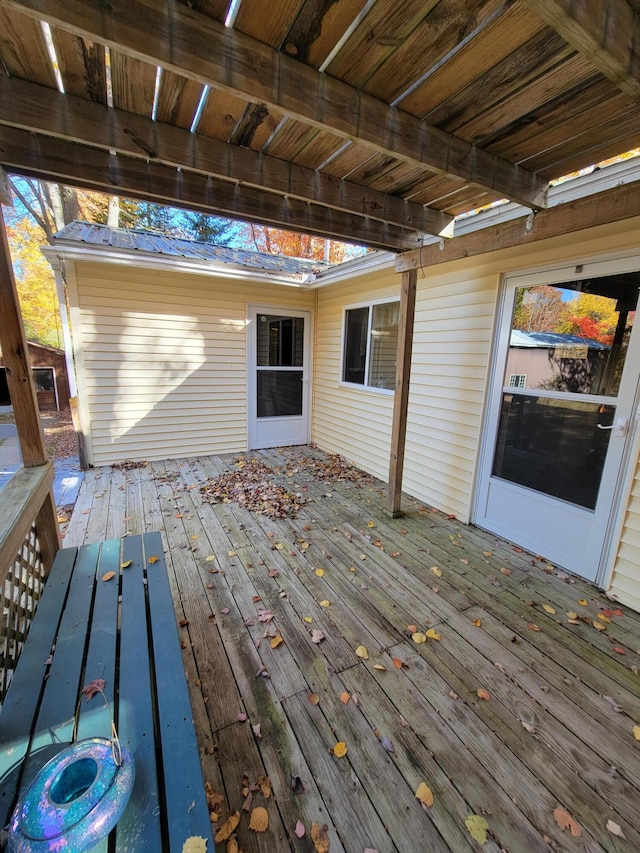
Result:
[
  {"x": 611, "y": 205},
  {"x": 181, "y": 40},
  {"x": 401, "y": 397},
  {"x": 606, "y": 31},
  {"x": 36, "y": 108},
  {"x": 51, "y": 159}
]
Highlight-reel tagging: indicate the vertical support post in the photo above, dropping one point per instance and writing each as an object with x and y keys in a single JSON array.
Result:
[
  {"x": 23, "y": 393},
  {"x": 401, "y": 397}
]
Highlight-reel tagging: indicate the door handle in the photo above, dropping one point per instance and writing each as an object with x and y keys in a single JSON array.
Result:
[{"x": 620, "y": 424}]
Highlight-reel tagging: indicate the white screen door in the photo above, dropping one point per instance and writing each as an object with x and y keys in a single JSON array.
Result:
[
  {"x": 561, "y": 408},
  {"x": 279, "y": 364}
]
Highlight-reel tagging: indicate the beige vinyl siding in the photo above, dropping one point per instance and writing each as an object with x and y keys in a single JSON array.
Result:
[
  {"x": 164, "y": 359},
  {"x": 625, "y": 582},
  {"x": 352, "y": 421}
]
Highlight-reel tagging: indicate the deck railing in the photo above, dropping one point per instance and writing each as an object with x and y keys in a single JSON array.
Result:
[{"x": 25, "y": 559}]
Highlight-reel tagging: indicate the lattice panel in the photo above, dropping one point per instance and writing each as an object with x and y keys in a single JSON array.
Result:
[{"x": 22, "y": 590}]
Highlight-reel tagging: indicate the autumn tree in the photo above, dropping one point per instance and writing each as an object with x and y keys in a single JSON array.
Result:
[
  {"x": 275, "y": 241},
  {"x": 538, "y": 309},
  {"x": 591, "y": 316}
]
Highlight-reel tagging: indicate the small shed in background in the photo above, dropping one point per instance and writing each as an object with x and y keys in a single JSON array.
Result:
[{"x": 50, "y": 375}]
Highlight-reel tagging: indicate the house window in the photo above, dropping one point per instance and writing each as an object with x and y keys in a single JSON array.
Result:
[
  {"x": 370, "y": 345},
  {"x": 517, "y": 380}
]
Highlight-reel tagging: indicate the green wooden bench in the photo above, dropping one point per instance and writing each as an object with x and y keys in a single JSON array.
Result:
[{"x": 124, "y": 631}]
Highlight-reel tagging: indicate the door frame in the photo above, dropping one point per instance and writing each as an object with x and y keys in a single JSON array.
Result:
[
  {"x": 557, "y": 273},
  {"x": 253, "y": 309}
]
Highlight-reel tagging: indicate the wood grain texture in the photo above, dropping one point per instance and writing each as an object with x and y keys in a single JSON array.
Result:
[
  {"x": 197, "y": 47},
  {"x": 82, "y": 66}
]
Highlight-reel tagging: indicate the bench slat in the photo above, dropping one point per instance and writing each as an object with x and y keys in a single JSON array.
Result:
[
  {"x": 139, "y": 828},
  {"x": 21, "y": 703},
  {"x": 187, "y": 811}
]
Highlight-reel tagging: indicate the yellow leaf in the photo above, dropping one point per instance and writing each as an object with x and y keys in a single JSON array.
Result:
[
  {"x": 320, "y": 572},
  {"x": 437, "y": 572},
  {"x": 210, "y": 558},
  {"x": 582, "y": 602},
  {"x": 325, "y": 603},
  {"x": 565, "y": 821},
  {"x": 126, "y": 564},
  {"x": 486, "y": 553},
  {"x": 432, "y": 634},
  {"x": 636, "y": 732},
  {"x": 340, "y": 749},
  {"x": 233, "y": 553},
  {"x": 307, "y": 619},
  {"x": 259, "y": 819},
  {"x": 418, "y": 637},
  {"x": 604, "y": 618},
  {"x": 477, "y": 828},
  {"x": 227, "y": 827},
  {"x": 195, "y": 844},
  {"x": 571, "y": 614},
  {"x": 380, "y": 667},
  {"x": 276, "y": 641},
  {"x": 370, "y": 524},
  {"x": 279, "y": 546},
  {"x": 265, "y": 786},
  {"x": 320, "y": 837},
  {"x": 599, "y": 626},
  {"x": 362, "y": 652},
  {"x": 549, "y": 608},
  {"x": 344, "y": 697},
  {"x": 108, "y": 575},
  {"x": 153, "y": 559},
  {"x": 352, "y": 568},
  {"x": 424, "y": 794},
  {"x": 477, "y": 622}
]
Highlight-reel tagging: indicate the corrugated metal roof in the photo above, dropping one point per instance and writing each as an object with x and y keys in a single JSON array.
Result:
[
  {"x": 551, "y": 339},
  {"x": 154, "y": 243}
]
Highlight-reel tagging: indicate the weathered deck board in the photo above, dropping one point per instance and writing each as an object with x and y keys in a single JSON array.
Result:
[{"x": 548, "y": 737}]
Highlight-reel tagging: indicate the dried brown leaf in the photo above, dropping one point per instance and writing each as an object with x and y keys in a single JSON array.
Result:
[
  {"x": 259, "y": 819},
  {"x": 565, "y": 821},
  {"x": 227, "y": 827},
  {"x": 320, "y": 837}
]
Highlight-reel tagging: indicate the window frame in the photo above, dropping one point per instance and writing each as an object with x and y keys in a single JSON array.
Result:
[{"x": 369, "y": 304}]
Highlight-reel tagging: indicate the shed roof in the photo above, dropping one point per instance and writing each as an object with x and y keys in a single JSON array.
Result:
[
  {"x": 552, "y": 339},
  {"x": 368, "y": 121}
]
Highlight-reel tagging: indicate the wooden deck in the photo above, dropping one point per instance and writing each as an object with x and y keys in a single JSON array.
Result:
[{"x": 512, "y": 712}]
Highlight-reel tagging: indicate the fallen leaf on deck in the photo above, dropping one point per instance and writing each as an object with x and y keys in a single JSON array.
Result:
[
  {"x": 571, "y": 614},
  {"x": 614, "y": 829},
  {"x": 325, "y": 603},
  {"x": 613, "y": 704},
  {"x": 477, "y": 828},
  {"x": 183, "y": 623},
  {"x": 232, "y": 845},
  {"x": 300, "y": 829},
  {"x": 582, "y": 602},
  {"x": 532, "y": 626},
  {"x": 549, "y": 608},
  {"x": 225, "y": 610},
  {"x": 419, "y": 637},
  {"x": 257, "y": 731},
  {"x": 320, "y": 837},
  {"x": 259, "y": 819},
  {"x": 279, "y": 546},
  {"x": 241, "y": 717},
  {"x": 380, "y": 667},
  {"x": 636, "y": 732},
  {"x": 387, "y": 744},
  {"x": 477, "y": 622},
  {"x": 412, "y": 629},
  {"x": 371, "y": 524},
  {"x": 297, "y": 785},
  {"x": 436, "y": 571},
  {"x": 153, "y": 559},
  {"x": 363, "y": 556},
  {"x": 276, "y": 641},
  {"x": 340, "y": 749},
  {"x": 506, "y": 571},
  {"x": 362, "y": 652},
  {"x": 210, "y": 558},
  {"x": 313, "y": 698},
  {"x": 227, "y": 827},
  {"x": 93, "y": 687},
  {"x": 424, "y": 794},
  {"x": 307, "y": 619},
  {"x": 274, "y": 573},
  {"x": 528, "y": 727},
  {"x": 265, "y": 616},
  {"x": 599, "y": 626},
  {"x": 344, "y": 697},
  {"x": 400, "y": 664},
  {"x": 483, "y": 694},
  {"x": 265, "y": 786},
  {"x": 604, "y": 618},
  {"x": 195, "y": 844},
  {"x": 432, "y": 634},
  {"x": 320, "y": 572},
  {"x": 126, "y": 564},
  {"x": 619, "y": 650},
  {"x": 486, "y": 553},
  {"x": 565, "y": 821},
  {"x": 395, "y": 554},
  {"x": 317, "y": 636}
]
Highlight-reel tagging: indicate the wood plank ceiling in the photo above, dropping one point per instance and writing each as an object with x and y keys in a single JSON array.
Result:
[{"x": 374, "y": 121}]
